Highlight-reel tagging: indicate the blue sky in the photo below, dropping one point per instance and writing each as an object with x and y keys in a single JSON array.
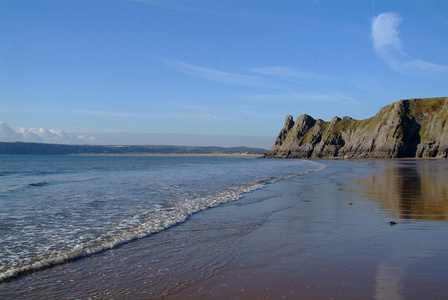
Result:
[{"x": 198, "y": 68}]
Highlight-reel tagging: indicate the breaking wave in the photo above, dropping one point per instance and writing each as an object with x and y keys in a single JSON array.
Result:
[{"x": 157, "y": 219}]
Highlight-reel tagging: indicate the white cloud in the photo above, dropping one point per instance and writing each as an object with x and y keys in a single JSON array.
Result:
[
  {"x": 31, "y": 135},
  {"x": 388, "y": 46},
  {"x": 216, "y": 75},
  {"x": 40, "y": 135},
  {"x": 7, "y": 134},
  {"x": 385, "y": 32}
]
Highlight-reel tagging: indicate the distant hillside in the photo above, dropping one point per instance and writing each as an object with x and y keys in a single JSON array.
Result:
[
  {"x": 407, "y": 128},
  {"x": 60, "y": 149}
]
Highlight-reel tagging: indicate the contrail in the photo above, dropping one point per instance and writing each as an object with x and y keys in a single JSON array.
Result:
[{"x": 373, "y": 6}]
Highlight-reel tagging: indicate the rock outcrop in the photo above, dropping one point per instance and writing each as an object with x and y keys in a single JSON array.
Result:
[{"x": 414, "y": 128}]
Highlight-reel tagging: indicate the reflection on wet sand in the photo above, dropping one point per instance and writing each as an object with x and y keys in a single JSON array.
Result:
[
  {"x": 388, "y": 280},
  {"x": 406, "y": 189},
  {"x": 410, "y": 189}
]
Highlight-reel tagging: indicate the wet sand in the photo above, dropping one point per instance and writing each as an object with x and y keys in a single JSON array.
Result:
[{"x": 322, "y": 235}]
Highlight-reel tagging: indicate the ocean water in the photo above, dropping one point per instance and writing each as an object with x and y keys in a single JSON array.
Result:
[{"x": 54, "y": 209}]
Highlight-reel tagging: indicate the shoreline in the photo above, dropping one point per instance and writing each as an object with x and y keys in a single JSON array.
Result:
[
  {"x": 319, "y": 235},
  {"x": 174, "y": 154}
]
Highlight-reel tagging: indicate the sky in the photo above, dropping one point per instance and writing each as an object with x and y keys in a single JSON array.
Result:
[{"x": 204, "y": 72}]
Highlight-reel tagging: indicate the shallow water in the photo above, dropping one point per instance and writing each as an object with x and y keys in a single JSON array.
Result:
[
  {"x": 57, "y": 208},
  {"x": 318, "y": 235}
]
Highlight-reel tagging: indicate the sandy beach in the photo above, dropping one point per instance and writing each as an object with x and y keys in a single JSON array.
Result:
[{"x": 369, "y": 229}]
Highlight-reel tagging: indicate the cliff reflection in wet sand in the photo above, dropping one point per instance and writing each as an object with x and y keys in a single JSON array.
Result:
[{"x": 410, "y": 189}]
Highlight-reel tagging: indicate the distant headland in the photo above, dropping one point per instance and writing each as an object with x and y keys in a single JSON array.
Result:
[
  {"x": 413, "y": 128},
  {"x": 62, "y": 149}
]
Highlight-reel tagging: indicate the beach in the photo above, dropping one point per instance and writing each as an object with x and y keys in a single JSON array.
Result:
[{"x": 366, "y": 229}]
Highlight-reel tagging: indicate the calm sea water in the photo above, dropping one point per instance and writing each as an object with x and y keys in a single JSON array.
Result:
[{"x": 57, "y": 208}]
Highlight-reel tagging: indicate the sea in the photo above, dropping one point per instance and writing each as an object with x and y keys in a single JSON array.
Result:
[{"x": 56, "y": 209}]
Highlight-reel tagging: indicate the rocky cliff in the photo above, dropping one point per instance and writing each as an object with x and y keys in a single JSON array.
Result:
[{"x": 407, "y": 128}]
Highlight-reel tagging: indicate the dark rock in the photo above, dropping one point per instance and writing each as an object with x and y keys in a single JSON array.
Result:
[{"x": 40, "y": 183}]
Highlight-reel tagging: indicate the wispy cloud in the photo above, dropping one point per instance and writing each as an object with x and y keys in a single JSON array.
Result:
[
  {"x": 217, "y": 75},
  {"x": 273, "y": 77},
  {"x": 219, "y": 112},
  {"x": 291, "y": 72},
  {"x": 113, "y": 114},
  {"x": 288, "y": 97},
  {"x": 189, "y": 115},
  {"x": 387, "y": 45}
]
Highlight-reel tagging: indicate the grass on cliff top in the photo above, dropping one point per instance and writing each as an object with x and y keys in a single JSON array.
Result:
[
  {"x": 427, "y": 105},
  {"x": 417, "y": 108}
]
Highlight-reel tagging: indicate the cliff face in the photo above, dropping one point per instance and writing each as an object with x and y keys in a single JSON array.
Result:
[{"x": 407, "y": 128}]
